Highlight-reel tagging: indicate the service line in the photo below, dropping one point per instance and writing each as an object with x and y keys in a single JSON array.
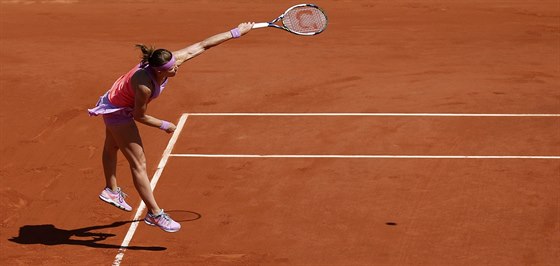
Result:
[{"x": 377, "y": 114}]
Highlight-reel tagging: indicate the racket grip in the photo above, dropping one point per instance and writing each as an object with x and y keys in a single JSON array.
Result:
[{"x": 260, "y": 25}]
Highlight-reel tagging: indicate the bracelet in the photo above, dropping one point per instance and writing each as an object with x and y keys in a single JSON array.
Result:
[
  {"x": 164, "y": 125},
  {"x": 235, "y": 33}
]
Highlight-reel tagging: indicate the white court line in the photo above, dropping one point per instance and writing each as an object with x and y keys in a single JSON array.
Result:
[
  {"x": 376, "y": 114},
  {"x": 364, "y": 156},
  {"x": 182, "y": 120},
  {"x": 155, "y": 178},
  {"x": 371, "y": 156}
]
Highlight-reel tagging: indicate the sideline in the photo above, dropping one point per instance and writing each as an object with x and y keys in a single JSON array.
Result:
[{"x": 334, "y": 156}]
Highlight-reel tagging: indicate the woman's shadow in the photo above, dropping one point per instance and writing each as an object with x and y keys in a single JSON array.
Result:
[{"x": 48, "y": 234}]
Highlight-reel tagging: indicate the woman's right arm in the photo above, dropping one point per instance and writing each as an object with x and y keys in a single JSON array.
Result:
[{"x": 141, "y": 98}]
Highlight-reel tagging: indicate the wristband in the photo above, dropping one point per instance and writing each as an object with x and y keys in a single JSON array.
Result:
[
  {"x": 164, "y": 125},
  {"x": 235, "y": 33}
]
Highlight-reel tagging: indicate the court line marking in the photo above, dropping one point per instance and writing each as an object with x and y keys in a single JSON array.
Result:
[
  {"x": 363, "y": 156},
  {"x": 153, "y": 183},
  {"x": 371, "y": 156},
  {"x": 376, "y": 114},
  {"x": 167, "y": 152}
]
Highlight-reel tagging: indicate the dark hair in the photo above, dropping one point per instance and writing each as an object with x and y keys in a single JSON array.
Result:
[{"x": 154, "y": 57}]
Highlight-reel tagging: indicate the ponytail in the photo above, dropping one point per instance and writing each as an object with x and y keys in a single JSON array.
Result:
[
  {"x": 154, "y": 57},
  {"x": 147, "y": 52}
]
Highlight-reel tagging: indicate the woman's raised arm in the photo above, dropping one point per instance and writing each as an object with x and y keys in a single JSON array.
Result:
[{"x": 199, "y": 47}]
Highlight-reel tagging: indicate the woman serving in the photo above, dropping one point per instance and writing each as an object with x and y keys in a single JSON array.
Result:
[{"x": 126, "y": 103}]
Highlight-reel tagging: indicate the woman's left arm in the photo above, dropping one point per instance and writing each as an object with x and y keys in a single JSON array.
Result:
[{"x": 199, "y": 47}]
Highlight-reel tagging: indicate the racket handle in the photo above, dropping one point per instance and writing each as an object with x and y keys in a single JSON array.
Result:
[{"x": 260, "y": 25}]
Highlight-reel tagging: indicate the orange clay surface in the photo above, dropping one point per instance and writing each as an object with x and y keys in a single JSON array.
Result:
[{"x": 460, "y": 56}]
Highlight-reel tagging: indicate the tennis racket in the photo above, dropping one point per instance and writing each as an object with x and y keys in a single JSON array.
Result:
[{"x": 302, "y": 19}]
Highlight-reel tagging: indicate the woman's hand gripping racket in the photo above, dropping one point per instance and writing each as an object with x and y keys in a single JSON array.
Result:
[{"x": 302, "y": 19}]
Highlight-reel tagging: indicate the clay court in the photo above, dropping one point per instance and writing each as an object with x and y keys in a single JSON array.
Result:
[{"x": 408, "y": 133}]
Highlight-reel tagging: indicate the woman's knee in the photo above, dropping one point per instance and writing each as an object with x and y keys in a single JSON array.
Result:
[
  {"x": 110, "y": 147},
  {"x": 137, "y": 161}
]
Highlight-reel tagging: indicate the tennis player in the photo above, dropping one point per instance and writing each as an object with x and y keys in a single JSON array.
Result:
[{"x": 127, "y": 102}]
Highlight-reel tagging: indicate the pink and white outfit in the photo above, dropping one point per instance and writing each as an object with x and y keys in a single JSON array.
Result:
[{"x": 116, "y": 105}]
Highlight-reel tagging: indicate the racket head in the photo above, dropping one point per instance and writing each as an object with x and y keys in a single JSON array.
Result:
[{"x": 305, "y": 19}]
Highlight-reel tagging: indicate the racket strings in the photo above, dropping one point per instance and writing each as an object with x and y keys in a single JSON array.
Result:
[{"x": 305, "y": 20}]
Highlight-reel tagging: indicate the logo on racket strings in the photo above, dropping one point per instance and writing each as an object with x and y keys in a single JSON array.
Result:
[{"x": 305, "y": 19}]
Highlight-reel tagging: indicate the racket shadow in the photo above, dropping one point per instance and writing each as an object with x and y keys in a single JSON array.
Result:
[{"x": 183, "y": 216}]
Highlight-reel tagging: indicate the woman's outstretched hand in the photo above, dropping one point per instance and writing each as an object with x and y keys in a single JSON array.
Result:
[{"x": 245, "y": 27}]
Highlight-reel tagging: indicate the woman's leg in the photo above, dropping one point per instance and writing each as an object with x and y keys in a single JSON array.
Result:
[
  {"x": 110, "y": 149},
  {"x": 112, "y": 194},
  {"x": 128, "y": 140}
]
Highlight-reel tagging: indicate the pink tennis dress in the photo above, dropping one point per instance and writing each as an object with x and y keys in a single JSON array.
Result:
[{"x": 117, "y": 103}]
